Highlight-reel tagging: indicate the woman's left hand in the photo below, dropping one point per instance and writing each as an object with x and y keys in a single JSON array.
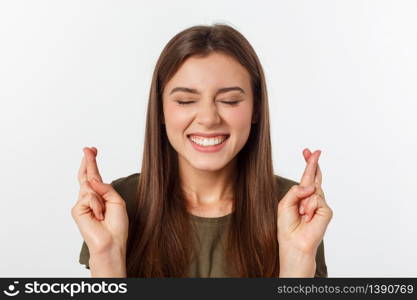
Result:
[{"x": 303, "y": 215}]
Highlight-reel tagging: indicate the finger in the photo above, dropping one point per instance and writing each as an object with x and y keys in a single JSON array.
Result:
[
  {"x": 319, "y": 191},
  {"x": 296, "y": 194},
  {"x": 86, "y": 194},
  {"x": 85, "y": 191},
  {"x": 90, "y": 202},
  {"x": 94, "y": 150},
  {"x": 302, "y": 206},
  {"x": 107, "y": 192},
  {"x": 318, "y": 175},
  {"x": 96, "y": 207},
  {"x": 82, "y": 172},
  {"x": 304, "y": 203},
  {"x": 311, "y": 207},
  {"x": 85, "y": 188},
  {"x": 92, "y": 169},
  {"x": 307, "y": 155},
  {"x": 310, "y": 170}
]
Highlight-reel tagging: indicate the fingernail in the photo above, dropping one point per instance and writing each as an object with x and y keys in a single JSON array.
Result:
[
  {"x": 302, "y": 210},
  {"x": 306, "y": 218},
  {"x": 101, "y": 216}
]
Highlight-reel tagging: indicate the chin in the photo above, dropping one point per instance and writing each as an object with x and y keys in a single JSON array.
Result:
[{"x": 208, "y": 165}]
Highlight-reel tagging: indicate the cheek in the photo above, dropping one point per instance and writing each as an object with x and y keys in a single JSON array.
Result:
[
  {"x": 176, "y": 120},
  {"x": 239, "y": 119}
]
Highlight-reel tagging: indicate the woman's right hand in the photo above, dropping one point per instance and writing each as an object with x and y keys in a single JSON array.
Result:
[{"x": 100, "y": 212}]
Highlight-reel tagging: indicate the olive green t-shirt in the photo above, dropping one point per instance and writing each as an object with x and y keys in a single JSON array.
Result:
[{"x": 209, "y": 260}]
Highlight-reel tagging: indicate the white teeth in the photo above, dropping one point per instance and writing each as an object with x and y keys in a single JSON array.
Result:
[{"x": 207, "y": 141}]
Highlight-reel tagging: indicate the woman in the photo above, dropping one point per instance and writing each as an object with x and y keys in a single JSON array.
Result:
[{"x": 206, "y": 203}]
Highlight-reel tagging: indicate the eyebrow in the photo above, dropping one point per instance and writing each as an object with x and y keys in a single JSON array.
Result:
[{"x": 219, "y": 91}]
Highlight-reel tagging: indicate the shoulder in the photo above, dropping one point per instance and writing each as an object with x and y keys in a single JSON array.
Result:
[
  {"x": 126, "y": 182},
  {"x": 283, "y": 184},
  {"x": 127, "y": 187}
]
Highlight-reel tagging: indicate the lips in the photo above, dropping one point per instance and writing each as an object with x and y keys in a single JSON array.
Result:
[
  {"x": 208, "y": 135},
  {"x": 208, "y": 142}
]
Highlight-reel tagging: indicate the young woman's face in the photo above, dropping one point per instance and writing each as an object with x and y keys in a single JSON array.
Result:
[{"x": 208, "y": 106}]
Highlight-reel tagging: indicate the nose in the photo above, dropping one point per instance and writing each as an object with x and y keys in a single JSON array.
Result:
[{"x": 208, "y": 114}]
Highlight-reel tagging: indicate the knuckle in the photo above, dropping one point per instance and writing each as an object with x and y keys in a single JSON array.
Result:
[
  {"x": 82, "y": 193},
  {"x": 295, "y": 188},
  {"x": 90, "y": 196},
  {"x": 281, "y": 205},
  {"x": 311, "y": 202},
  {"x": 311, "y": 206},
  {"x": 111, "y": 191},
  {"x": 84, "y": 186},
  {"x": 318, "y": 197}
]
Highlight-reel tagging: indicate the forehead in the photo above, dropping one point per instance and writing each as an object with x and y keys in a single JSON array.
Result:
[{"x": 213, "y": 71}]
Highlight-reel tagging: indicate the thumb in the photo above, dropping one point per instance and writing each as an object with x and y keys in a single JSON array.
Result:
[
  {"x": 106, "y": 191},
  {"x": 296, "y": 194}
]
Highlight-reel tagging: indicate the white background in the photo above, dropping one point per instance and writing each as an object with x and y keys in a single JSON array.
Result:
[{"x": 342, "y": 77}]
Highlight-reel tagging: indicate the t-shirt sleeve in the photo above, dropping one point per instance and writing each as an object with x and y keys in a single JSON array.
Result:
[
  {"x": 84, "y": 256},
  {"x": 321, "y": 267}
]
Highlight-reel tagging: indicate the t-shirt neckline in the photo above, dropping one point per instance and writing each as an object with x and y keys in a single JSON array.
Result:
[{"x": 218, "y": 220}]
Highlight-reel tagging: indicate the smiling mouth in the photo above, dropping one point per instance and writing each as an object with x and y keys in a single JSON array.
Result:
[{"x": 208, "y": 142}]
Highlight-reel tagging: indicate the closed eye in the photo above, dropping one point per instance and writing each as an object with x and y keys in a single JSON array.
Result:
[
  {"x": 231, "y": 102},
  {"x": 184, "y": 102}
]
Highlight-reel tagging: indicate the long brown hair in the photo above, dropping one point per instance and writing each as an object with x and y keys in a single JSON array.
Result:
[{"x": 160, "y": 232}]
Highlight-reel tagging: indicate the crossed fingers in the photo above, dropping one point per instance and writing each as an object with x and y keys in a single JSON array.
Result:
[
  {"x": 88, "y": 169},
  {"x": 312, "y": 176}
]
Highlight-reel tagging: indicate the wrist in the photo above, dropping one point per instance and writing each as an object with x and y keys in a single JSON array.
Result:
[
  {"x": 110, "y": 264},
  {"x": 295, "y": 263}
]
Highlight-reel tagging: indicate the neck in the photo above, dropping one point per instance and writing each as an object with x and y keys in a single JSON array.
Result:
[{"x": 208, "y": 193}]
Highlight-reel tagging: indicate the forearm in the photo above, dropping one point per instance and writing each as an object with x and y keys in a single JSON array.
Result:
[
  {"x": 296, "y": 264},
  {"x": 108, "y": 265}
]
